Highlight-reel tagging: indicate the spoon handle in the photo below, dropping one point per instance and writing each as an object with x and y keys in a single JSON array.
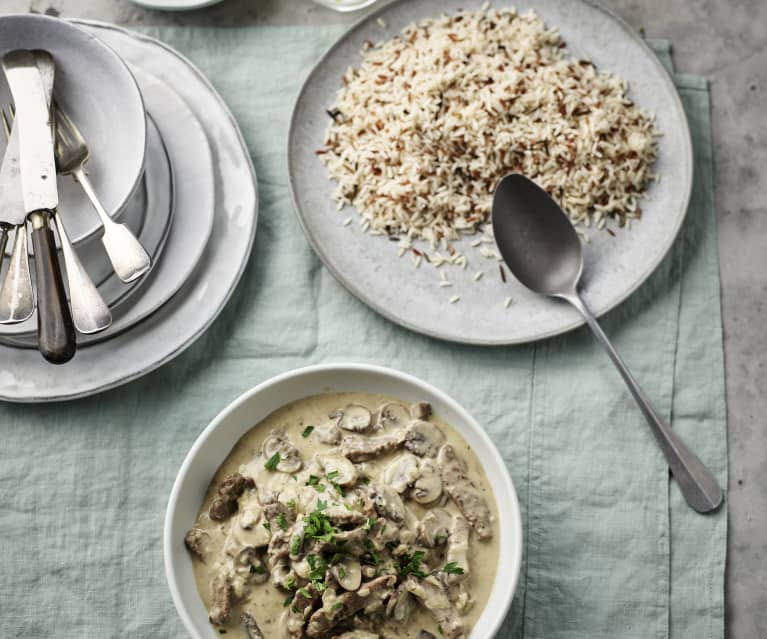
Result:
[{"x": 696, "y": 482}]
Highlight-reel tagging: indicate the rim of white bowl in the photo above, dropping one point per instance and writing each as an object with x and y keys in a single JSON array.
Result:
[{"x": 491, "y": 618}]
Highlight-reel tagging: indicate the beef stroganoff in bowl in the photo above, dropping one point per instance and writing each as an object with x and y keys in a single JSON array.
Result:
[{"x": 344, "y": 512}]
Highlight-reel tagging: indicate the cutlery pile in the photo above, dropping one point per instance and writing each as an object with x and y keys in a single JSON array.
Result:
[{"x": 42, "y": 141}]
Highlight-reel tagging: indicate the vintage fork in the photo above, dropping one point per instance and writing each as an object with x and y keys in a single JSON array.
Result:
[
  {"x": 90, "y": 313},
  {"x": 128, "y": 257}
]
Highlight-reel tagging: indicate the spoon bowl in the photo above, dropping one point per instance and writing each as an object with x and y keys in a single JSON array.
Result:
[{"x": 542, "y": 249}]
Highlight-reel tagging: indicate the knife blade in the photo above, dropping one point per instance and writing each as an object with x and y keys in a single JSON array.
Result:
[
  {"x": 55, "y": 329},
  {"x": 17, "y": 301}
]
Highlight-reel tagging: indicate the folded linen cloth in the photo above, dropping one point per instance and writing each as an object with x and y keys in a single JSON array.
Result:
[{"x": 611, "y": 548}]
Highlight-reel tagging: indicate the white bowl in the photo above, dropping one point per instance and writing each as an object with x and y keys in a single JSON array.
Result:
[
  {"x": 220, "y": 436},
  {"x": 97, "y": 90}
]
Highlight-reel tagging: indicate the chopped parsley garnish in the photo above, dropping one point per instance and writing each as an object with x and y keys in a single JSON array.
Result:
[
  {"x": 292, "y": 504},
  {"x": 282, "y": 521},
  {"x": 290, "y": 584},
  {"x": 317, "y": 566},
  {"x": 317, "y": 526},
  {"x": 257, "y": 570},
  {"x": 441, "y": 632},
  {"x": 337, "y": 556},
  {"x": 370, "y": 524},
  {"x": 341, "y": 572},
  {"x": 411, "y": 564},
  {"x": 339, "y": 489},
  {"x": 267, "y": 525},
  {"x": 452, "y": 568},
  {"x": 314, "y": 482},
  {"x": 321, "y": 505},
  {"x": 332, "y": 475},
  {"x": 304, "y": 593},
  {"x": 295, "y": 547},
  {"x": 337, "y": 606},
  {"x": 307, "y": 431},
  {"x": 371, "y": 556},
  {"x": 365, "y": 480},
  {"x": 288, "y": 600},
  {"x": 271, "y": 464}
]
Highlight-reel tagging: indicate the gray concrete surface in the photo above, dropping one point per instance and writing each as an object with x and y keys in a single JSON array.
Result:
[{"x": 726, "y": 41}]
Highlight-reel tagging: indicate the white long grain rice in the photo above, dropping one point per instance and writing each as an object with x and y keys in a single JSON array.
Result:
[{"x": 431, "y": 119}]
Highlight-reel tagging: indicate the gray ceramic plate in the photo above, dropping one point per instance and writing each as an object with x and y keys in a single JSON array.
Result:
[
  {"x": 25, "y": 376},
  {"x": 99, "y": 93},
  {"x": 615, "y": 266}
]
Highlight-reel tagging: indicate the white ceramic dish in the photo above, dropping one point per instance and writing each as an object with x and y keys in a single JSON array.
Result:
[
  {"x": 614, "y": 266},
  {"x": 97, "y": 90},
  {"x": 175, "y": 5},
  {"x": 26, "y": 377},
  {"x": 216, "y": 441}
]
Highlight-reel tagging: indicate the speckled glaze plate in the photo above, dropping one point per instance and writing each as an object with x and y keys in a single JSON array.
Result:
[
  {"x": 615, "y": 266},
  {"x": 26, "y": 377}
]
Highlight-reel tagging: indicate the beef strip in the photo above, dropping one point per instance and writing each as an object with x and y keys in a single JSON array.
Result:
[
  {"x": 330, "y": 615},
  {"x": 252, "y": 630},
  {"x": 360, "y": 447},
  {"x": 433, "y": 596},
  {"x": 224, "y": 504},
  {"x": 195, "y": 542},
  {"x": 464, "y": 493},
  {"x": 222, "y": 595}
]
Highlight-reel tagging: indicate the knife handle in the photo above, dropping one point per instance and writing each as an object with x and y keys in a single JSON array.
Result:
[{"x": 55, "y": 329}]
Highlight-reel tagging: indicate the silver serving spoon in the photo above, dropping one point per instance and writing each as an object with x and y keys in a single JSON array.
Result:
[{"x": 543, "y": 251}]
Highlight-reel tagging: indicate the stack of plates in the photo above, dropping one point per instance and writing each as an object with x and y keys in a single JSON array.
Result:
[{"x": 194, "y": 210}]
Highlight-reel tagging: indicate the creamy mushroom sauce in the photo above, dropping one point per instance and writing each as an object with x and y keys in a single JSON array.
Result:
[{"x": 255, "y": 578}]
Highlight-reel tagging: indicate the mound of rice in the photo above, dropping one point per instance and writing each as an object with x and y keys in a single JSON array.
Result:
[{"x": 425, "y": 127}]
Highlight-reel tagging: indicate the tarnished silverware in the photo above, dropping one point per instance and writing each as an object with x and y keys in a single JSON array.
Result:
[
  {"x": 17, "y": 299},
  {"x": 128, "y": 257},
  {"x": 90, "y": 312},
  {"x": 37, "y": 164}
]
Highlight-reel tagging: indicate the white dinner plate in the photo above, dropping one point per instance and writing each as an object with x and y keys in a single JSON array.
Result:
[
  {"x": 26, "y": 377},
  {"x": 175, "y": 5},
  {"x": 614, "y": 266}
]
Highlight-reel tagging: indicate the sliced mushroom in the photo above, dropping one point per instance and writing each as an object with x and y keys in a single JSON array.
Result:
[
  {"x": 435, "y": 527},
  {"x": 222, "y": 595},
  {"x": 423, "y": 438},
  {"x": 357, "y": 634},
  {"x": 433, "y": 596},
  {"x": 458, "y": 548},
  {"x": 252, "y": 631},
  {"x": 278, "y": 443},
  {"x": 402, "y": 472},
  {"x": 339, "y": 468},
  {"x": 387, "y": 502},
  {"x": 347, "y": 573},
  {"x": 428, "y": 486},
  {"x": 392, "y": 415},
  {"x": 464, "y": 493},
  {"x": 329, "y": 434},
  {"x": 360, "y": 448},
  {"x": 353, "y": 417},
  {"x": 420, "y": 410},
  {"x": 194, "y": 541}
]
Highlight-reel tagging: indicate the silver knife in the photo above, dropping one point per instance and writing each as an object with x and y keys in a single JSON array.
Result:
[
  {"x": 55, "y": 329},
  {"x": 17, "y": 301},
  {"x": 89, "y": 311}
]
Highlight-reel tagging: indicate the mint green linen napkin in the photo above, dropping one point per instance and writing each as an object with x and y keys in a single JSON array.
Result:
[{"x": 612, "y": 550}]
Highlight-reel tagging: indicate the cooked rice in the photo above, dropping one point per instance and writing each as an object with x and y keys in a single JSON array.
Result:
[{"x": 430, "y": 121}]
